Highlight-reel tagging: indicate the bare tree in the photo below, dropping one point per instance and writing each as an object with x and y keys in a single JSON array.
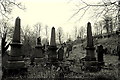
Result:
[
  {"x": 75, "y": 32},
  {"x": 107, "y": 25},
  {"x": 81, "y": 31},
  {"x": 46, "y": 32},
  {"x": 6, "y": 7},
  {"x": 37, "y": 29},
  {"x": 101, "y": 8},
  {"x": 60, "y": 34},
  {"x": 97, "y": 28},
  {"x": 67, "y": 35},
  {"x": 27, "y": 40},
  {"x": 101, "y": 26}
]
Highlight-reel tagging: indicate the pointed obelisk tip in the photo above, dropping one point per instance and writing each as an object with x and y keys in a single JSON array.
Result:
[
  {"x": 53, "y": 27},
  {"x": 18, "y": 17},
  {"x": 89, "y": 23}
]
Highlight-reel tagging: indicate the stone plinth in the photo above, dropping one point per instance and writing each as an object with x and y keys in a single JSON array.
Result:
[
  {"x": 91, "y": 66},
  {"x": 40, "y": 61},
  {"x": 16, "y": 49},
  {"x": 38, "y": 55},
  {"x": 15, "y": 64},
  {"x": 90, "y": 54},
  {"x": 38, "y": 52},
  {"x": 52, "y": 56}
]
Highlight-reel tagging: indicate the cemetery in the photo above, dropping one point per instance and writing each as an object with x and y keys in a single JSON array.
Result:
[
  {"x": 90, "y": 63},
  {"x": 45, "y": 51}
]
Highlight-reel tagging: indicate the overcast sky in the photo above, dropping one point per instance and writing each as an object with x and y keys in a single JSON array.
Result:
[{"x": 52, "y": 13}]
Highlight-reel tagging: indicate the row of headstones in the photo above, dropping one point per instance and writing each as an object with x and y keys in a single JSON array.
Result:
[
  {"x": 90, "y": 55},
  {"x": 54, "y": 54},
  {"x": 16, "y": 61}
]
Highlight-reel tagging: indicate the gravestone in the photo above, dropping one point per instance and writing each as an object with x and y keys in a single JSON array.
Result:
[
  {"x": 90, "y": 55},
  {"x": 15, "y": 59},
  {"x": 118, "y": 50},
  {"x": 60, "y": 53},
  {"x": 38, "y": 49},
  {"x": 52, "y": 55},
  {"x": 100, "y": 52},
  {"x": 90, "y": 63},
  {"x": 39, "y": 52}
]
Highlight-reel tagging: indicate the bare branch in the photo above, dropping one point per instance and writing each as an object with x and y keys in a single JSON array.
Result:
[
  {"x": 85, "y": 2},
  {"x": 77, "y": 12},
  {"x": 6, "y": 7},
  {"x": 83, "y": 13}
]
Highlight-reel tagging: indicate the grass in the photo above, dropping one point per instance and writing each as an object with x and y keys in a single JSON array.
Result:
[{"x": 111, "y": 62}]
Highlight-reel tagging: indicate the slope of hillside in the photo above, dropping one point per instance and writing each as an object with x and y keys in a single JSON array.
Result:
[{"x": 109, "y": 43}]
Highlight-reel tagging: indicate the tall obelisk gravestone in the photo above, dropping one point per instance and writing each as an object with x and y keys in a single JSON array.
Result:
[
  {"x": 15, "y": 60},
  {"x": 90, "y": 55},
  {"x": 52, "y": 56},
  {"x": 90, "y": 59}
]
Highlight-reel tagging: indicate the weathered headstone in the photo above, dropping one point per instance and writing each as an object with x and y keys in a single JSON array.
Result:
[
  {"x": 118, "y": 50},
  {"x": 15, "y": 60},
  {"x": 52, "y": 56},
  {"x": 38, "y": 49},
  {"x": 60, "y": 53},
  {"x": 39, "y": 52},
  {"x": 100, "y": 52},
  {"x": 68, "y": 50}
]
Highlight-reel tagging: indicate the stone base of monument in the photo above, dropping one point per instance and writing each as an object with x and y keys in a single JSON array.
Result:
[
  {"x": 52, "y": 56},
  {"x": 101, "y": 63},
  {"x": 14, "y": 68},
  {"x": 39, "y": 61},
  {"x": 91, "y": 66},
  {"x": 15, "y": 64}
]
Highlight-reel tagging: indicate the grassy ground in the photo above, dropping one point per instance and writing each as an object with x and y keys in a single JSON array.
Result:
[{"x": 109, "y": 72}]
